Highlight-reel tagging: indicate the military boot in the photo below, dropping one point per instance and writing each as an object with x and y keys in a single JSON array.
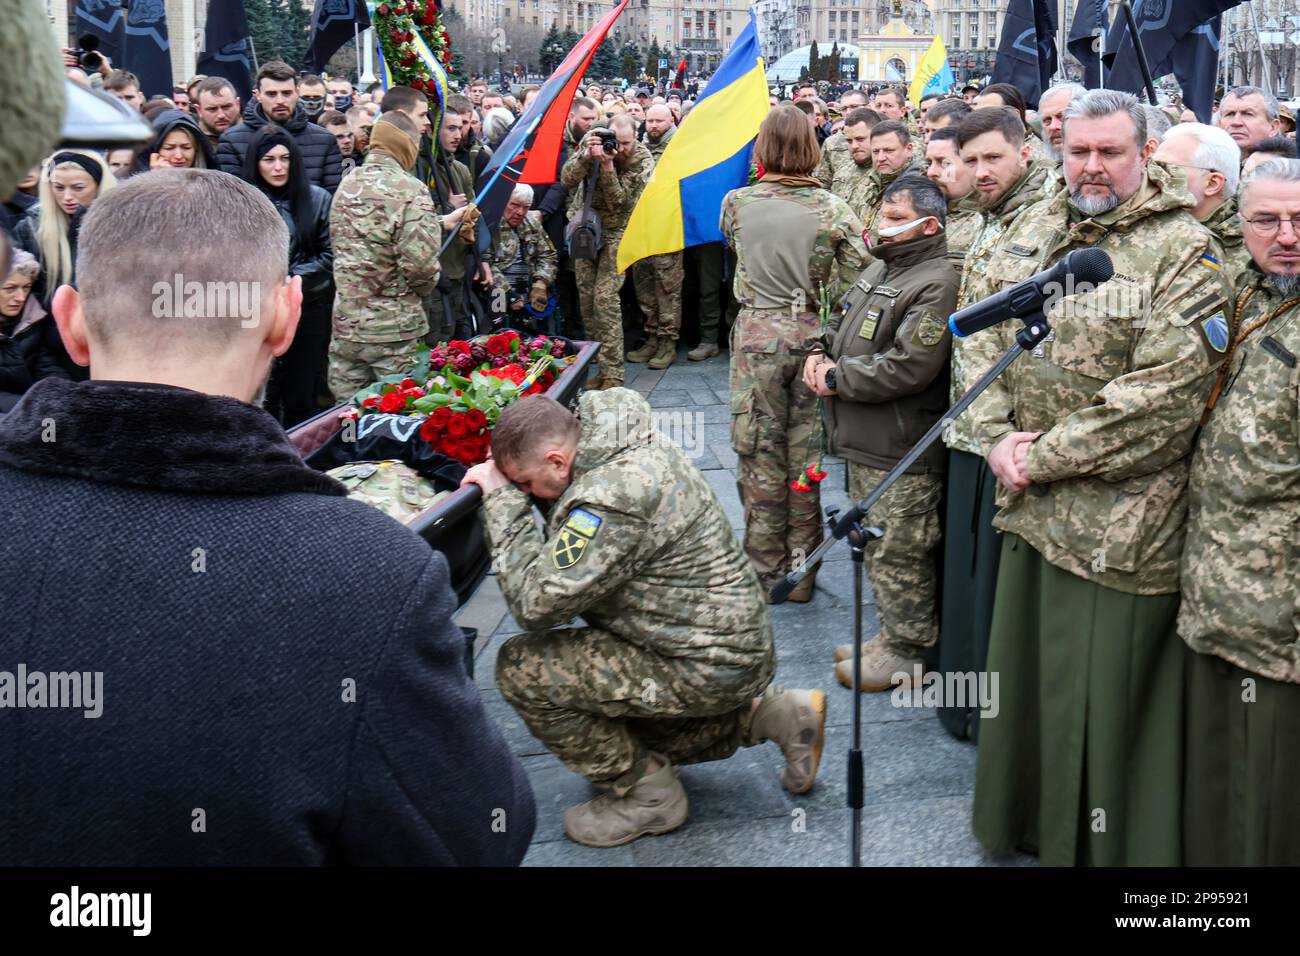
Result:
[
  {"x": 655, "y": 804},
  {"x": 666, "y": 355},
  {"x": 705, "y": 350},
  {"x": 882, "y": 667},
  {"x": 796, "y": 721},
  {"x": 595, "y": 384},
  {"x": 647, "y": 351}
]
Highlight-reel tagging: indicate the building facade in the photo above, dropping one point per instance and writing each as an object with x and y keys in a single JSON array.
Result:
[{"x": 972, "y": 29}]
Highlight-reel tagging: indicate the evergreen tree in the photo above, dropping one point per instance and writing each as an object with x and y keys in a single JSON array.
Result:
[
  {"x": 550, "y": 54},
  {"x": 652, "y": 59},
  {"x": 833, "y": 65},
  {"x": 605, "y": 61},
  {"x": 814, "y": 67},
  {"x": 455, "y": 24},
  {"x": 630, "y": 62}
]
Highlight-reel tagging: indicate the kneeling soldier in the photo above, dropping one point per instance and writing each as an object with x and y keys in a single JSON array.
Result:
[{"x": 674, "y": 664}]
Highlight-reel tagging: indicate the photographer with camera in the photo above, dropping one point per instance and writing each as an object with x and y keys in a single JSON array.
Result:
[
  {"x": 522, "y": 264},
  {"x": 604, "y": 178}
]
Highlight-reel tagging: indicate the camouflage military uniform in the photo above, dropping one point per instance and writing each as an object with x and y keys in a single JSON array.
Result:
[
  {"x": 659, "y": 279},
  {"x": 1225, "y": 225},
  {"x": 599, "y": 280},
  {"x": 869, "y": 195},
  {"x": 1240, "y": 613},
  {"x": 962, "y": 226},
  {"x": 852, "y": 182},
  {"x": 386, "y": 237},
  {"x": 523, "y": 251},
  {"x": 890, "y": 348},
  {"x": 981, "y": 277},
  {"x": 445, "y": 306},
  {"x": 394, "y": 488},
  {"x": 677, "y": 642},
  {"x": 774, "y": 428},
  {"x": 1088, "y": 575},
  {"x": 835, "y": 160}
]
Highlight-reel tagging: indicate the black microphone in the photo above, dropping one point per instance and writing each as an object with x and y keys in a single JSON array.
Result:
[{"x": 1086, "y": 266}]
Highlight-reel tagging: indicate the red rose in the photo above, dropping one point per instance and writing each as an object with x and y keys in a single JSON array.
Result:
[
  {"x": 498, "y": 344},
  {"x": 407, "y": 383},
  {"x": 392, "y": 402},
  {"x": 429, "y": 432},
  {"x": 511, "y": 334},
  {"x": 440, "y": 418},
  {"x": 382, "y": 11},
  {"x": 458, "y": 427},
  {"x": 476, "y": 419},
  {"x": 460, "y": 345},
  {"x": 371, "y": 402}
]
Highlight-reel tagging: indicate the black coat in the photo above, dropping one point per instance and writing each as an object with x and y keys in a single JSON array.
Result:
[
  {"x": 311, "y": 256},
  {"x": 28, "y": 352},
  {"x": 231, "y": 597},
  {"x": 14, "y": 210},
  {"x": 320, "y": 150}
]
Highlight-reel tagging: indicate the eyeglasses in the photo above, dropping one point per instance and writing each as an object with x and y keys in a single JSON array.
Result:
[{"x": 1270, "y": 225}]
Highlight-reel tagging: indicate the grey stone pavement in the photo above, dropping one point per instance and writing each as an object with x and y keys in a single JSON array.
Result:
[{"x": 919, "y": 779}]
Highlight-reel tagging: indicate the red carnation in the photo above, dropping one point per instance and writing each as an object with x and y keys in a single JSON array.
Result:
[
  {"x": 458, "y": 427},
  {"x": 392, "y": 402},
  {"x": 476, "y": 419},
  {"x": 440, "y": 418},
  {"x": 511, "y": 334},
  {"x": 498, "y": 344}
]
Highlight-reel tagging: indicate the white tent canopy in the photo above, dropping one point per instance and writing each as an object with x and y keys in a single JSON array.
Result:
[{"x": 787, "y": 68}]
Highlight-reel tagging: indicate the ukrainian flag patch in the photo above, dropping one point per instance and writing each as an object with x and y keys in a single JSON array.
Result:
[
  {"x": 1209, "y": 260},
  {"x": 583, "y": 522}
]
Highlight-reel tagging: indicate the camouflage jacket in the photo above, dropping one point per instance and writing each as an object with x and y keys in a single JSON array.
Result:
[
  {"x": 616, "y": 192},
  {"x": 851, "y": 182},
  {"x": 965, "y": 219},
  {"x": 460, "y": 181},
  {"x": 393, "y": 487},
  {"x": 868, "y": 197},
  {"x": 656, "y": 150},
  {"x": 1116, "y": 390},
  {"x": 1226, "y": 226},
  {"x": 638, "y": 545},
  {"x": 386, "y": 237},
  {"x": 1241, "y": 566},
  {"x": 835, "y": 157},
  {"x": 538, "y": 252},
  {"x": 980, "y": 278},
  {"x": 787, "y": 238}
]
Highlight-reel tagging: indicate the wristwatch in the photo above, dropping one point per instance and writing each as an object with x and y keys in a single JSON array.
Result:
[{"x": 830, "y": 378}]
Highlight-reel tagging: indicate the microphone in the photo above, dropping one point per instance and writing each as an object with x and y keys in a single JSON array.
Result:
[{"x": 1090, "y": 266}]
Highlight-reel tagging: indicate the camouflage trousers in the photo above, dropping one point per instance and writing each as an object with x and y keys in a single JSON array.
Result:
[
  {"x": 604, "y": 705},
  {"x": 659, "y": 282},
  {"x": 902, "y": 565},
  {"x": 773, "y": 427},
  {"x": 354, "y": 365},
  {"x": 599, "y": 282}
]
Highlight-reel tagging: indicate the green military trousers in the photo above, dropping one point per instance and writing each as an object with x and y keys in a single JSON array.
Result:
[
  {"x": 604, "y": 705},
  {"x": 658, "y": 281},
  {"x": 1083, "y": 761},
  {"x": 599, "y": 282},
  {"x": 1242, "y": 795}
]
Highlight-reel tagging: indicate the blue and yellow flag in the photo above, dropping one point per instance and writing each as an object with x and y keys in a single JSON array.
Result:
[
  {"x": 431, "y": 61},
  {"x": 707, "y": 158},
  {"x": 933, "y": 75}
]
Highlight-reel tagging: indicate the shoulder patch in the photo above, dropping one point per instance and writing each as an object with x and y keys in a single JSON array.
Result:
[
  {"x": 888, "y": 291},
  {"x": 571, "y": 543},
  {"x": 583, "y": 522},
  {"x": 930, "y": 329},
  {"x": 1018, "y": 250},
  {"x": 1215, "y": 330},
  {"x": 1209, "y": 260}
]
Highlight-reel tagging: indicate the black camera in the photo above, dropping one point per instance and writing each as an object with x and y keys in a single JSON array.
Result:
[
  {"x": 608, "y": 140},
  {"x": 87, "y": 58}
]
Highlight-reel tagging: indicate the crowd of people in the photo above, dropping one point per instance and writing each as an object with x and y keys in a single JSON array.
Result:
[{"x": 1114, "y": 522}]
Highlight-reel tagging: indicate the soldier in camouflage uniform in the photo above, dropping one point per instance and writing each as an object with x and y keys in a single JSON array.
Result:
[
  {"x": 386, "y": 237},
  {"x": 892, "y": 154},
  {"x": 659, "y": 279},
  {"x": 618, "y": 186},
  {"x": 673, "y": 664},
  {"x": 884, "y": 382},
  {"x": 773, "y": 413},
  {"x": 835, "y": 150},
  {"x": 943, "y": 167},
  {"x": 1209, "y": 160},
  {"x": 1090, "y": 437},
  {"x": 1240, "y": 614},
  {"x": 850, "y": 179},
  {"x": 521, "y": 255}
]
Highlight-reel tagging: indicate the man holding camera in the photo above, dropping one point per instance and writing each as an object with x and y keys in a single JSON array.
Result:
[
  {"x": 621, "y": 167},
  {"x": 523, "y": 263}
]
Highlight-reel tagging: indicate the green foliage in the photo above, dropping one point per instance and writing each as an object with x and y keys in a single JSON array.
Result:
[
  {"x": 455, "y": 24},
  {"x": 279, "y": 29},
  {"x": 630, "y": 62},
  {"x": 652, "y": 59},
  {"x": 550, "y": 53},
  {"x": 814, "y": 63},
  {"x": 605, "y": 62},
  {"x": 831, "y": 73}
]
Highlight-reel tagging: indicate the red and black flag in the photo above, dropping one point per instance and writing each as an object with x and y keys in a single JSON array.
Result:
[
  {"x": 680, "y": 78},
  {"x": 530, "y": 153}
]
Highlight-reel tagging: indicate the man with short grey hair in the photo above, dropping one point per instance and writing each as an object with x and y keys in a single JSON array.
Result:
[
  {"x": 1051, "y": 113},
  {"x": 1249, "y": 114},
  {"x": 355, "y": 735},
  {"x": 1240, "y": 573},
  {"x": 1090, "y": 438},
  {"x": 522, "y": 264},
  {"x": 1208, "y": 157},
  {"x": 1158, "y": 124}
]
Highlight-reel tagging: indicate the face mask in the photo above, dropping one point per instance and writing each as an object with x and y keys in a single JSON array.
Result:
[
  {"x": 312, "y": 105},
  {"x": 893, "y": 231},
  {"x": 342, "y": 103}
]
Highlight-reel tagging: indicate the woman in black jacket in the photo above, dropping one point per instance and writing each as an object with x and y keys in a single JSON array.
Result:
[
  {"x": 178, "y": 143},
  {"x": 25, "y": 331},
  {"x": 274, "y": 165}
]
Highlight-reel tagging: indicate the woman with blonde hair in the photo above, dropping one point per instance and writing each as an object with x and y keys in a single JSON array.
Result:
[
  {"x": 789, "y": 235},
  {"x": 71, "y": 180}
]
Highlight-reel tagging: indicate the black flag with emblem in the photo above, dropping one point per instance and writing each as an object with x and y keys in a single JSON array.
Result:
[
  {"x": 333, "y": 23},
  {"x": 1161, "y": 25},
  {"x": 1027, "y": 52},
  {"x": 146, "y": 49},
  {"x": 225, "y": 46},
  {"x": 105, "y": 20},
  {"x": 1195, "y": 61},
  {"x": 1084, "y": 44}
]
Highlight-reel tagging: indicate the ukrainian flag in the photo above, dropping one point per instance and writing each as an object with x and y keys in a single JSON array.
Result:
[
  {"x": 934, "y": 75},
  {"x": 707, "y": 158},
  {"x": 435, "y": 67}
]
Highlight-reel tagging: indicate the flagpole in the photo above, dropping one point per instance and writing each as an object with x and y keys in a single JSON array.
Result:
[
  {"x": 252, "y": 47},
  {"x": 1141, "y": 52},
  {"x": 486, "y": 186},
  {"x": 356, "y": 43},
  {"x": 1101, "y": 43}
]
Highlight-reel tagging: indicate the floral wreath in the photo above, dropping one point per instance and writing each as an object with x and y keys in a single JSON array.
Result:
[{"x": 396, "y": 25}]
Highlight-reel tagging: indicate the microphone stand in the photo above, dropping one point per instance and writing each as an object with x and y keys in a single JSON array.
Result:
[{"x": 850, "y": 526}]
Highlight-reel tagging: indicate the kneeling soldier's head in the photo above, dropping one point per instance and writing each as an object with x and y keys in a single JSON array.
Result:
[{"x": 534, "y": 443}]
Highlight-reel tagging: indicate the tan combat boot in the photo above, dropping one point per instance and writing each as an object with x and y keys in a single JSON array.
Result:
[
  {"x": 646, "y": 351},
  {"x": 705, "y": 350},
  {"x": 595, "y": 384},
  {"x": 655, "y": 804},
  {"x": 882, "y": 667},
  {"x": 796, "y": 721},
  {"x": 666, "y": 355}
]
